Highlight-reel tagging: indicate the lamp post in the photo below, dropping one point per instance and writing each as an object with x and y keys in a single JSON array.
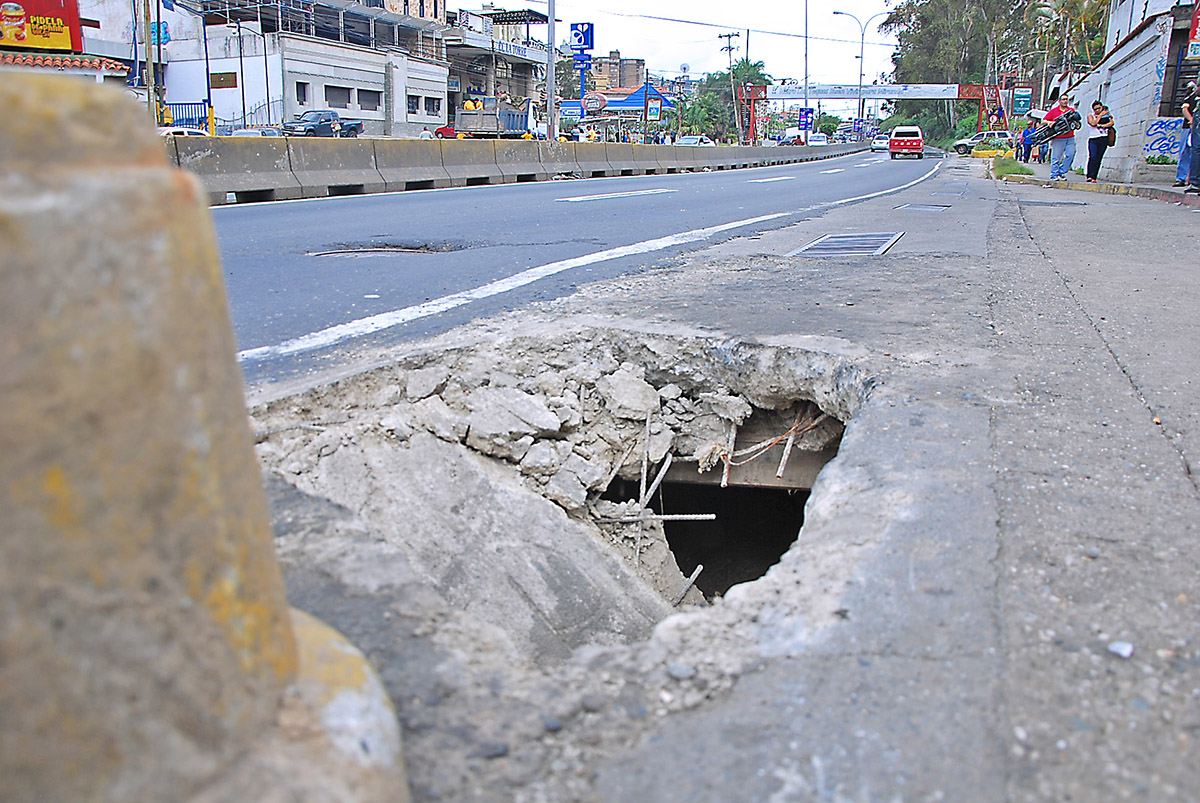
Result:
[
  {"x": 266, "y": 73},
  {"x": 861, "y": 48}
]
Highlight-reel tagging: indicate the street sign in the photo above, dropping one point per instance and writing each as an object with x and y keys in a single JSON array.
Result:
[
  {"x": 1193, "y": 48},
  {"x": 1022, "y": 101},
  {"x": 582, "y": 35},
  {"x": 653, "y": 109},
  {"x": 582, "y": 60}
]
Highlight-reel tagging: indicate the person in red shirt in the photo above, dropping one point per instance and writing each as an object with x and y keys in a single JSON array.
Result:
[{"x": 1062, "y": 147}]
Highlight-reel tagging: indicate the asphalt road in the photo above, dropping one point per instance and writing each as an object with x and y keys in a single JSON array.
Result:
[{"x": 422, "y": 262}]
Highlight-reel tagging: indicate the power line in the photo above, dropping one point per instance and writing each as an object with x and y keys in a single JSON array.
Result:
[{"x": 726, "y": 26}]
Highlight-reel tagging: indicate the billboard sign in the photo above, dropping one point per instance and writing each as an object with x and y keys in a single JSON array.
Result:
[
  {"x": 582, "y": 35},
  {"x": 805, "y": 119},
  {"x": 653, "y": 109},
  {"x": 40, "y": 25},
  {"x": 1193, "y": 48}
]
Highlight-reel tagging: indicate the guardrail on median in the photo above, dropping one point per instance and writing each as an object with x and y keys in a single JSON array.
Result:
[{"x": 271, "y": 168}]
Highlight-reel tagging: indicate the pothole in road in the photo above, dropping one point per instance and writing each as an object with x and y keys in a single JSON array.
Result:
[
  {"x": 565, "y": 486},
  {"x": 375, "y": 248}
]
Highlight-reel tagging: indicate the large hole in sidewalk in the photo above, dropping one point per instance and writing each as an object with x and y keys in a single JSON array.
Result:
[
  {"x": 510, "y": 472},
  {"x": 751, "y": 530}
]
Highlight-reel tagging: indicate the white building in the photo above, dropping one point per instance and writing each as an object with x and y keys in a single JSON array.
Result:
[
  {"x": 264, "y": 62},
  {"x": 1142, "y": 78}
]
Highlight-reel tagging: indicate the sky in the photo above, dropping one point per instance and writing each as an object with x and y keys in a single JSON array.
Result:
[{"x": 640, "y": 29}]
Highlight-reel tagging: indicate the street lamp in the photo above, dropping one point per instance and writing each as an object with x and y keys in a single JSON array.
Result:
[
  {"x": 861, "y": 47},
  {"x": 266, "y": 73}
]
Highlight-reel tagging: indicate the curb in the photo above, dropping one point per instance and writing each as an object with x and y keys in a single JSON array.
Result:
[{"x": 1140, "y": 191}]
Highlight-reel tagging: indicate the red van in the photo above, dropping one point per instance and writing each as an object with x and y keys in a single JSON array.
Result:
[{"x": 907, "y": 139}]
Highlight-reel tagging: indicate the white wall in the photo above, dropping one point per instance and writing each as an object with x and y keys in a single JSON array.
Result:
[
  {"x": 1129, "y": 83},
  {"x": 1125, "y": 15}
]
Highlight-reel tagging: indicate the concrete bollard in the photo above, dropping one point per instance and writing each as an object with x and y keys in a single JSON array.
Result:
[{"x": 145, "y": 640}]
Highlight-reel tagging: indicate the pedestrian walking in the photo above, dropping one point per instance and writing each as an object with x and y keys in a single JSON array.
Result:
[
  {"x": 1185, "y": 153},
  {"x": 1101, "y": 132},
  {"x": 1062, "y": 147},
  {"x": 1025, "y": 140}
]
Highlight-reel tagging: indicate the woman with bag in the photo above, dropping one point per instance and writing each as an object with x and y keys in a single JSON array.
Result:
[{"x": 1102, "y": 132}]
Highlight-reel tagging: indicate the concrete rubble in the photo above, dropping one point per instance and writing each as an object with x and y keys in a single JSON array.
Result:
[{"x": 461, "y": 512}]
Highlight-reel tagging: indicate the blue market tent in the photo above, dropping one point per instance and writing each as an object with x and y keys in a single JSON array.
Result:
[{"x": 634, "y": 102}]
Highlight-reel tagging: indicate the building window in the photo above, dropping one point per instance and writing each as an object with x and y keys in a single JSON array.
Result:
[
  {"x": 435, "y": 9},
  {"x": 414, "y": 104},
  {"x": 433, "y": 106},
  {"x": 302, "y": 93},
  {"x": 422, "y": 7},
  {"x": 368, "y": 99},
  {"x": 223, "y": 80},
  {"x": 337, "y": 97}
]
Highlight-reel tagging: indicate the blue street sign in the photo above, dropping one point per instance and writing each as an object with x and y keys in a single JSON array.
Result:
[{"x": 582, "y": 35}]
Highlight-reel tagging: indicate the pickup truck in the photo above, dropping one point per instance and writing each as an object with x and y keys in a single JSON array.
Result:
[{"x": 322, "y": 124}]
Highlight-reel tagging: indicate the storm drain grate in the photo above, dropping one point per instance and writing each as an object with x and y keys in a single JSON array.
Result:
[
  {"x": 858, "y": 244},
  {"x": 924, "y": 207}
]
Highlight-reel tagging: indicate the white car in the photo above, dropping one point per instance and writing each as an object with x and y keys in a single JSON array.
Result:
[
  {"x": 702, "y": 141},
  {"x": 817, "y": 138},
  {"x": 180, "y": 131},
  {"x": 255, "y": 132},
  {"x": 964, "y": 146},
  {"x": 880, "y": 143}
]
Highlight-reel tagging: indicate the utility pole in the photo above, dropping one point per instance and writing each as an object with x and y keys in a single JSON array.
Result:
[
  {"x": 151, "y": 90},
  {"x": 729, "y": 48},
  {"x": 806, "y": 101},
  {"x": 551, "y": 82}
]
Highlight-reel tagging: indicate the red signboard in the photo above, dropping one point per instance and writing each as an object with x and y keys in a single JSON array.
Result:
[
  {"x": 1193, "y": 51},
  {"x": 40, "y": 25}
]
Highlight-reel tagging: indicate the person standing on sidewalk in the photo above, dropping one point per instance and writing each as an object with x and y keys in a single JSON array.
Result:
[
  {"x": 1194, "y": 171},
  {"x": 1100, "y": 126},
  {"x": 1185, "y": 153},
  {"x": 1062, "y": 147},
  {"x": 1025, "y": 141}
]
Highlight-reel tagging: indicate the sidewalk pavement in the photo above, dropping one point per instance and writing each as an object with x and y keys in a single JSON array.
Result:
[
  {"x": 1009, "y": 531},
  {"x": 1075, "y": 181}
]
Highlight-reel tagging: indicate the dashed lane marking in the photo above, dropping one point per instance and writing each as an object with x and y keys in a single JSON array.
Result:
[{"x": 608, "y": 195}]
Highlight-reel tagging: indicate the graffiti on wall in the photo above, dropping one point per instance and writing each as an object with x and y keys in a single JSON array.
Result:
[
  {"x": 1160, "y": 68},
  {"x": 1164, "y": 137}
]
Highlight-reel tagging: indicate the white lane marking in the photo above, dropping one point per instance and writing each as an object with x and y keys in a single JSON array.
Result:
[
  {"x": 866, "y": 164},
  {"x": 386, "y": 320},
  {"x": 767, "y": 180},
  {"x": 834, "y": 170},
  {"x": 606, "y": 196}
]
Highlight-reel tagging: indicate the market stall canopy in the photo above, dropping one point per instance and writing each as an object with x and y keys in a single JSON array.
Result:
[{"x": 633, "y": 102}]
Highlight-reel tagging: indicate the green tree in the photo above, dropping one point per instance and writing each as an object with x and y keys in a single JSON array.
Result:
[{"x": 567, "y": 78}]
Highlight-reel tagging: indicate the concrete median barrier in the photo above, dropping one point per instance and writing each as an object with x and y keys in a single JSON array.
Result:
[
  {"x": 471, "y": 161},
  {"x": 668, "y": 158},
  {"x": 334, "y": 166},
  {"x": 593, "y": 160},
  {"x": 519, "y": 160},
  {"x": 687, "y": 156},
  {"x": 558, "y": 158},
  {"x": 410, "y": 164},
  {"x": 148, "y": 647},
  {"x": 621, "y": 159},
  {"x": 646, "y": 158},
  {"x": 252, "y": 168}
]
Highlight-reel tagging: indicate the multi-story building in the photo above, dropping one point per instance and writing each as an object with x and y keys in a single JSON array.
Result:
[
  {"x": 264, "y": 61},
  {"x": 614, "y": 71},
  {"x": 494, "y": 52}
]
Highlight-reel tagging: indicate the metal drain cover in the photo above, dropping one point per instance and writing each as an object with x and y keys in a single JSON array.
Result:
[
  {"x": 857, "y": 244},
  {"x": 925, "y": 207}
]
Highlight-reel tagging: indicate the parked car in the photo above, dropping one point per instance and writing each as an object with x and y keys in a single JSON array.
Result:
[
  {"x": 445, "y": 132},
  {"x": 880, "y": 143},
  {"x": 817, "y": 138},
  {"x": 964, "y": 146},
  {"x": 907, "y": 140},
  {"x": 325, "y": 123},
  {"x": 260, "y": 131},
  {"x": 180, "y": 131},
  {"x": 692, "y": 139}
]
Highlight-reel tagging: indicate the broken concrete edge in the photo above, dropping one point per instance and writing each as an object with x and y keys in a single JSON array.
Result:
[{"x": 825, "y": 370}]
